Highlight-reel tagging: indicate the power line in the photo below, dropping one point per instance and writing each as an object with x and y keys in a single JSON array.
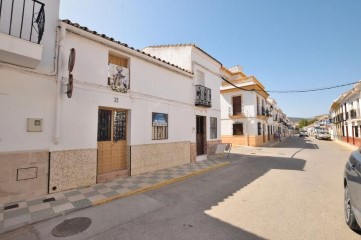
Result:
[
  {"x": 290, "y": 91},
  {"x": 315, "y": 89}
]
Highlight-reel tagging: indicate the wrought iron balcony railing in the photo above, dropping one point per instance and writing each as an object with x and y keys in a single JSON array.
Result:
[
  {"x": 24, "y": 19},
  {"x": 203, "y": 96},
  {"x": 261, "y": 111}
]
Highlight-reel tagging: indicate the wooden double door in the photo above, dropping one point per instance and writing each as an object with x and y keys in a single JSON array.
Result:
[{"x": 112, "y": 141}]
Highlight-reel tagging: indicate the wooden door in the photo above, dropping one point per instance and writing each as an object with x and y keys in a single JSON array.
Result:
[
  {"x": 112, "y": 143},
  {"x": 201, "y": 136}
]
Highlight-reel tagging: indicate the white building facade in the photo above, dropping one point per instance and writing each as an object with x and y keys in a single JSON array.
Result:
[
  {"x": 346, "y": 117},
  {"x": 249, "y": 117},
  {"x": 94, "y": 109},
  {"x": 206, "y": 84}
]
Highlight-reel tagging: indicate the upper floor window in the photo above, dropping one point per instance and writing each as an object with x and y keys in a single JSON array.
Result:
[
  {"x": 118, "y": 73},
  {"x": 237, "y": 105},
  {"x": 200, "y": 78}
]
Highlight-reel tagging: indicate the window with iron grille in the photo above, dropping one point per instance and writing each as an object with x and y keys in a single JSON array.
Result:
[
  {"x": 160, "y": 126},
  {"x": 356, "y": 131},
  {"x": 213, "y": 128},
  {"x": 238, "y": 129},
  {"x": 259, "y": 127}
]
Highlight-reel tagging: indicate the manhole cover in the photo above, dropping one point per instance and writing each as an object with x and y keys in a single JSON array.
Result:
[{"x": 71, "y": 227}]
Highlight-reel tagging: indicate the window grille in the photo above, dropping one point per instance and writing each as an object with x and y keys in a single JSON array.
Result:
[
  {"x": 213, "y": 128},
  {"x": 238, "y": 129},
  {"x": 259, "y": 126}
]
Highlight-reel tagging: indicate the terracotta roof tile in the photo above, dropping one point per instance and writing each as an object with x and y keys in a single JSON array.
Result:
[{"x": 120, "y": 43}]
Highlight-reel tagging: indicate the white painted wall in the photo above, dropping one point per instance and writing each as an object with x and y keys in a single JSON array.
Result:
[
  {"x": 26, "y": 93},
  {"x": 180, "y": 56},
  {"x": 152, "y": 89},
  {"x": 250, "y": 111},
  {"x": 22, "y": 96},
  {"x": 194, "y": 60}
]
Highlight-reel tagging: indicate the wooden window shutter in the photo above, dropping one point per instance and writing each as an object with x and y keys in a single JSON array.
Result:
[
  {"x": 118, "y": 61},
  {"x": 237, "y": 105}
]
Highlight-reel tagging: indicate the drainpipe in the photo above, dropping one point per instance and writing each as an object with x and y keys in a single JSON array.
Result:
[{"x": 58, "y": 91}]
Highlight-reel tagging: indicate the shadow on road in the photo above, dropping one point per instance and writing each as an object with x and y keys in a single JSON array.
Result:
[
  {"x": 296, "y": 142},
  {"x": 186, "y": 202}
]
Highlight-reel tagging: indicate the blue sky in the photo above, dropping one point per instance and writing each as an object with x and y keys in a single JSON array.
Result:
[{"x": 285, "y": 44}]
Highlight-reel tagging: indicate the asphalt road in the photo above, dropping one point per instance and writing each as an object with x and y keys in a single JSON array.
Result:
[{"x": 291, "y": 191}]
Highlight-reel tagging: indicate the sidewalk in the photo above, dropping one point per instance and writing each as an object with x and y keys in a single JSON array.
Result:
[{"x": 28, "y": 211}]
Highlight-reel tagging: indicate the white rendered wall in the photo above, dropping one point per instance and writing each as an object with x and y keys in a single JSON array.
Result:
[
  {"x": 180, "y": 56},
  {"x": 22, "y": 96},
  {"x": 49, "y": 37},
  {"x": 152, "y": 89},
  {"x": 250, "y": 111}
]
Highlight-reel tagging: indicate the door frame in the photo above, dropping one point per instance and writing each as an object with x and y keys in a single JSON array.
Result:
[
  {"x": 204, "y": 140},
  {"x": 127, "y": 168}
]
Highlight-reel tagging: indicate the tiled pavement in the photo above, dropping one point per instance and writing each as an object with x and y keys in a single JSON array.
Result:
[{"x": 42, "y": 208}]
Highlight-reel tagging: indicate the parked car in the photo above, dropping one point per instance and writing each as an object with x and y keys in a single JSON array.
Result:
[
  {"x": 303, "y": 134},
  {"x": 352, "y": 193},
  {"x": 323, "y": 135}
]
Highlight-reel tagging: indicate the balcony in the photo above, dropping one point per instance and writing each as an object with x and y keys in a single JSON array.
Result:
[
  {"x": 22, "y": 26},
  {"x": 203, "y": 96},
  {"x": 236, "y": 112}
]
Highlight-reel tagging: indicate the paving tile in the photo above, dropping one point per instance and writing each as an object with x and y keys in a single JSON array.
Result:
[
  {"x": 15, "y": 213},
  {"x": 90, "y": 194},
  {"x": 120, "y": 182},
  {"x": 105, "y": 190},
  {"x": 117, "y": 187},
  {"x": 111, "y": 184},
  {"x": 87, "y": 190},
  {"x": 123, "y": 190},
  {"x": 128, "y": 184},
  {"x": 152, "y": 182},
  {"x": 135, "y": 187},
  {"x": 82, "y": 203},
  {"x": 72, "y": 193},
  {"x": 39, "y": 207},
  {"x": 17, "y": 221},
  {"x": 59, "y": 202},
  {"x": 99, "y": 186},
  {"x": 63, "y": 207},
  {"x": 111, "y": 194},
  {"x": 76, "y": 197},
  {"x": 42, "y": 214},
  {"x": 35, "y": 202},
  {"x": 57, "y": 195}
]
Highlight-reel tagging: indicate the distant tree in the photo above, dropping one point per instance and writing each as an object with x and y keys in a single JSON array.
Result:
[{"x": 303, "y": 123}]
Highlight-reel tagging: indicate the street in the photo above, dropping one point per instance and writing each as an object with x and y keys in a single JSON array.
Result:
[{"x": 293, "y": 190}]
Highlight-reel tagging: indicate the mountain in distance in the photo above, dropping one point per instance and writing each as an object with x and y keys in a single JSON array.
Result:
[{"x": 297, "y": 119}]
